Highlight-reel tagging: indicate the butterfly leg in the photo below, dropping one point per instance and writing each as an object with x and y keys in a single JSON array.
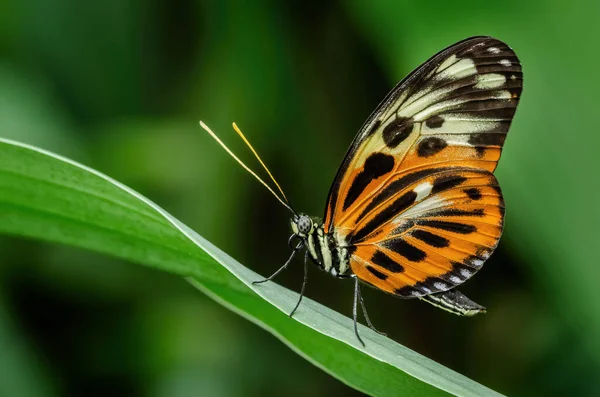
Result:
[
  {"x": 355, "y": 310},
  {"x": 303, "y": 283},
  {"x": 282, "y": 268},
  {"x": 364, "y": 310}
]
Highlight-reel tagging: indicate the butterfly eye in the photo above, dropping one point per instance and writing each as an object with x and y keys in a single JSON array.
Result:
[{"x": 304, "y": 225}]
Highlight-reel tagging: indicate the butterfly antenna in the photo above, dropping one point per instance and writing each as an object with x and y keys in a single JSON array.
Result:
[
  {"x": 236, "y": 128},
  {"x": 240, "y": 162}
]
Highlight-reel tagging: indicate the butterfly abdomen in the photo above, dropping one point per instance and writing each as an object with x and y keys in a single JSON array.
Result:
[{"x": 327, "y": 253}]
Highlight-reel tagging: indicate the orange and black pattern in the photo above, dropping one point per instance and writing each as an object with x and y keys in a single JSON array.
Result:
[{"x": 415, "y": 206}]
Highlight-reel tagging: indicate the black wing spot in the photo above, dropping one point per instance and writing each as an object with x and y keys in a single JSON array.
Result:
[
  {"x": 381, "y": 259},
  {"x": 454, "y": 227},
  {"x": 397, "y": 131},
  {"x": 405, "y": 249},
  {"x": 376, "y": 165},
  {"x": 431, "y": 239},
  {"x": 446, "y": 182},
  {"x": 434, "y": 122},
  {"x": 430, "y": 146},
  {"x": 377, "y": 273},
  {"x": 473, "y": 193},
  {"x": 483, "y": 140}
]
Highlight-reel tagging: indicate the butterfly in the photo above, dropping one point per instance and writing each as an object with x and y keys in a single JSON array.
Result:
[{"x": 415, "y": 209}]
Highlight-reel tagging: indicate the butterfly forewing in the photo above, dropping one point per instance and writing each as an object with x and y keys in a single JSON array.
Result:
[{"x": 415, "y": 198}]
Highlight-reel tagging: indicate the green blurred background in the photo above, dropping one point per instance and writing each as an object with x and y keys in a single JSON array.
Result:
[{"x": 120, "y": 86}]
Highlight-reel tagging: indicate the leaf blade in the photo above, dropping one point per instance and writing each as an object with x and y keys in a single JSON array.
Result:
[{"x": 46, "y": 196}]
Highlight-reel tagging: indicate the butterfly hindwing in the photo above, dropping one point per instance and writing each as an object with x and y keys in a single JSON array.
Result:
[
  {"x": 415, "y": 188},
  {"x": 434, "y": 234}
]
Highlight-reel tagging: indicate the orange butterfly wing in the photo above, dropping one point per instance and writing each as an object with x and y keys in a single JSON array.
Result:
[{"x": 415, "y": 200}]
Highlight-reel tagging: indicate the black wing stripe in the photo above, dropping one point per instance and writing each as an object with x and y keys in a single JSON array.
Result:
[
  {"x": 405, "y": 249},
  {"x": 377, "y": 273},
  {"x": 454, "y": 227},
  {"x": 377, "y": 165},
  {"x": 384, "y": 261},
  {"x": 431, "y": 239}
]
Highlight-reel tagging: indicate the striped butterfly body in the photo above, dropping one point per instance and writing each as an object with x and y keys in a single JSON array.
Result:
[{"x": 414, "y": 209}]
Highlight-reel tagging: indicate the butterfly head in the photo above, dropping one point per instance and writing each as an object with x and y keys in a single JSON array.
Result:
[{"x": 302, "y": 225}]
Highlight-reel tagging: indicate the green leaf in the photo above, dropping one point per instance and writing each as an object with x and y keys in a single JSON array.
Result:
[{"x": 46, "y": 196}]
